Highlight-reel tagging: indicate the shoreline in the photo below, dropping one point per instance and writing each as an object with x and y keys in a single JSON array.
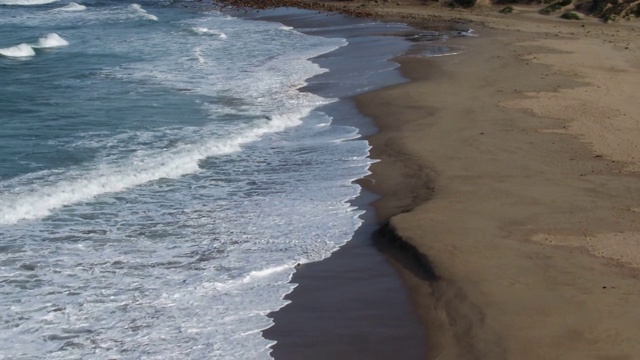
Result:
[
  {"x": 332, "y": 313},
  {"x": 529, "y": 231},
  {"x": 513, "y": 170},
  {"x": 335, "y": 311}
]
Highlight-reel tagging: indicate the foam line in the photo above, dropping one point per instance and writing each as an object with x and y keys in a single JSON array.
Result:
[{"x": 40, "y": 200}]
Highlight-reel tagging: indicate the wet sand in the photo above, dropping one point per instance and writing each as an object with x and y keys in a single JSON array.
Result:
[
  {"x": 349, "y": 306},
  {"x": 335, "y": 311}
]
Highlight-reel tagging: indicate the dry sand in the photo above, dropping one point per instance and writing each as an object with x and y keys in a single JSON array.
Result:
[{"x": 514, "y": 168}]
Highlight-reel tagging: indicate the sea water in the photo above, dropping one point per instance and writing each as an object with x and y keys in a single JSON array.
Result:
[{"x": 162, "y": 173}]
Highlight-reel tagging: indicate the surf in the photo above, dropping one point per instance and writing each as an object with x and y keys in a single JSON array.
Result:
[
  {"x": 73, "y": 7},
  {"x": 25, "y": 50},
  {"x": 19, "y": 51},
  {"x": 39, "y": 201},
  {"x": 50, "y": 40},
  {"x": 26, "y": 2}
]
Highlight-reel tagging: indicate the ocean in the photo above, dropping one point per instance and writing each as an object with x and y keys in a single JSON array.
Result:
[{"x": 165, "y": 167}]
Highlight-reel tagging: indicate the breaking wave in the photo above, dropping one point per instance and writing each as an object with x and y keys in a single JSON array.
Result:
[
  {"x": 142, "y": 12},
  {"x": 26, "y": 2},
  {"x": 205, "y": 31},
  {"x": 49, "y": 41},
  {"x": 26, "y": 50},
  {"x": 40, "y": 201},
  {"x": 18, "y": 51},
  {"x": 73, "y": 7}
]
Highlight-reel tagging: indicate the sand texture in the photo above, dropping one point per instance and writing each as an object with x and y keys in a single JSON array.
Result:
[{"x": 513, "y": 168}]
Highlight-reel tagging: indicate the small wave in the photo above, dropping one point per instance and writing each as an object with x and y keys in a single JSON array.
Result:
[
  {"x": 18, "y": 51},
  {"x": 198, "y": 53},
  {"x": 49, "y": 41},
  {"x": 26, "y": 2},
  {"x": 467, "y": 32},
  {"x": 73, "y": 7},
  {"x": 252, "y": 276},
  {"x": 205, "y": 31},
  {"x": 26, "y": 50},
  {"x": 143, "y": 12},
  {"x": 39, "y": 201}
]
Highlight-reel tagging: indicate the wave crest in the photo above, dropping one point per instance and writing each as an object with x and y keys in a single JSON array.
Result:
[
  {"x": 73, "y": 7},
  {"x": 18, "y": 51},
  {"x": 206, "y": 31},
  {"x": 26, "y": 2},
  {"x": 26, "y": 50},
  {"x": 39, "y": 201},
  {"x": 142, "y": 12},
  {"x": 49, "y": 41}
]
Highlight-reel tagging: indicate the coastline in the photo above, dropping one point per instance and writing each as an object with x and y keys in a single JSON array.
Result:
[
  {"x": 531, "y": 232},
  {"x": 519, "y": 191},
  {"x": 335, "y": 309}
]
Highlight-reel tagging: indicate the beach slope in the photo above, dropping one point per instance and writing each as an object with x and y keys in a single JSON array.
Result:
[{"x": 511, "y": 170}]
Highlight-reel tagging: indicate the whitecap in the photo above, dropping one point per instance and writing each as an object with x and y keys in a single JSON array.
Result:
[
  {"x": 49, "y": 41},
  {"x": 18, "y": 51},
  {"x": 206, "y": 31},
  {"x": 26, "y": 2},
  {"x": 40, "y": 200},
  {"x": 142, "y": 12},
  {"x": 73, "y": 7}
]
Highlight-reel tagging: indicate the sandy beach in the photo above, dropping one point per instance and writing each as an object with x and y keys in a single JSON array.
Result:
[
  {"x": 512, "y": 169},
  {"x": 517, "y": 164}
]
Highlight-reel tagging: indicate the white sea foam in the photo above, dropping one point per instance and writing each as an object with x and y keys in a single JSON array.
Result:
[
  {"x": 468, "y": 32},
  {"x": 73, "y": 7},
  {"x": 142, "y": 12},
  {"x": 205, "y": 31},
  {"x": 18, "y": 51},
  {"x": 134, "y": 253},
  {"x": 26, "y": 50},
  {"x": 50, "y": 40},
  {"x": 26, "y": 2},
  {"x": 40, "y": 201},
  {"x": 198, "y": 53},
  {"x": 253, "y": 276}
]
